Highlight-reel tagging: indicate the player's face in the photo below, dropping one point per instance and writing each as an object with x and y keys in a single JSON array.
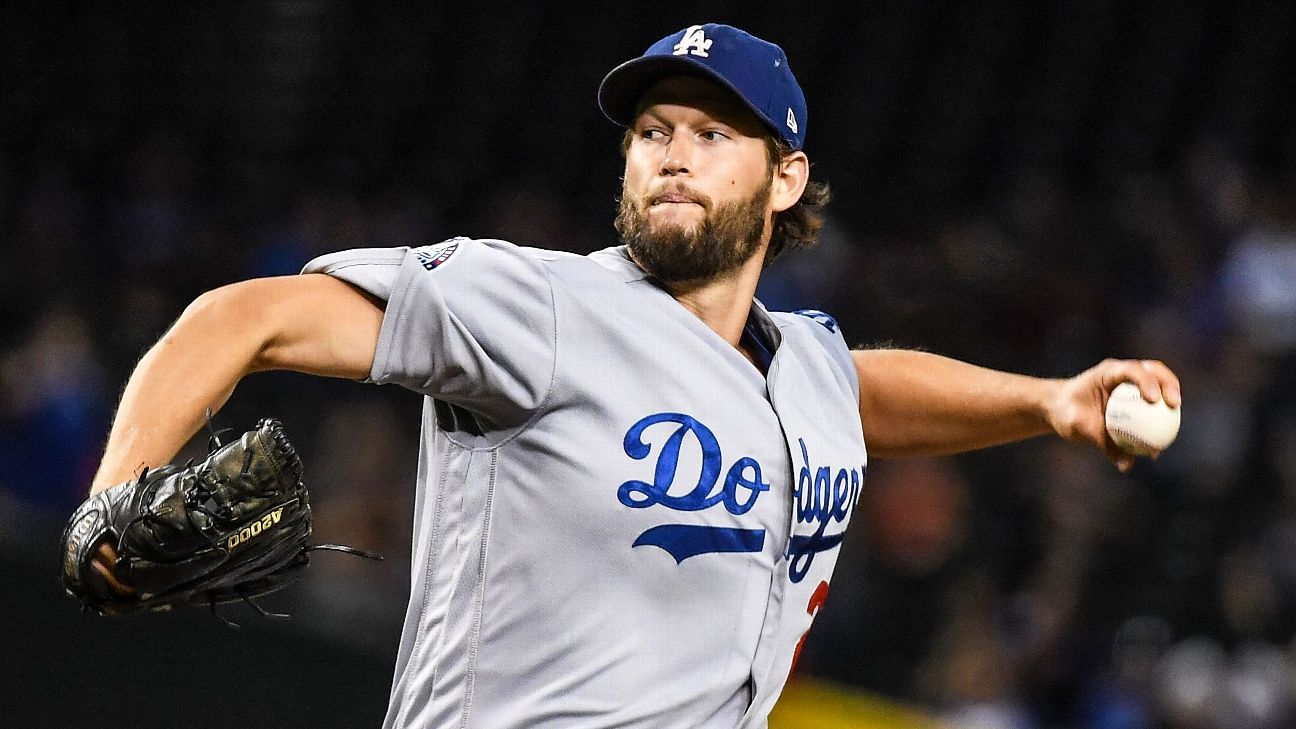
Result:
[{"x": 695, "y": 203}]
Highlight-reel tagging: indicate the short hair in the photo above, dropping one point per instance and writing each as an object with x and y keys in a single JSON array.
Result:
[{"x": 799, "y": 225}]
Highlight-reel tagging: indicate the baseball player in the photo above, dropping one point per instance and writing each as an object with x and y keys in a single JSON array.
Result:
[{"x": 633, "y": 478}]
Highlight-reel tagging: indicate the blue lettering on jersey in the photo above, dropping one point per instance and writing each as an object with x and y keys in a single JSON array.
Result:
[
  {"x": 820, "y": 496},
  {"x": 742, "y": 485},
  {"x": 682, "y": 541},
  {"x": 826, "y": 320}
]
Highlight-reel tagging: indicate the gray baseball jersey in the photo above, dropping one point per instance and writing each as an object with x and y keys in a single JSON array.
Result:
[{"x": 619, "y": 521}]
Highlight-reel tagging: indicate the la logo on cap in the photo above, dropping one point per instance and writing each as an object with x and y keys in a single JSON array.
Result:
[{"x": 694, "y": 42}]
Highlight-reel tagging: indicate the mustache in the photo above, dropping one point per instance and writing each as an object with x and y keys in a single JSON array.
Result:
[{"x": 679, "y": 193}]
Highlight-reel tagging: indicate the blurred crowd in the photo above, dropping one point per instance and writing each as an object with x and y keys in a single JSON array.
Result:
[{"x": 1023, "y": 587}]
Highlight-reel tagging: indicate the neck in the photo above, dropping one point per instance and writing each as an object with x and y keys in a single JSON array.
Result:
[{"x": 723, "y": 303}]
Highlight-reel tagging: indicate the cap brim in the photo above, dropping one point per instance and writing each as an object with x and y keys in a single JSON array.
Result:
[{"x": 624, "y": 86}]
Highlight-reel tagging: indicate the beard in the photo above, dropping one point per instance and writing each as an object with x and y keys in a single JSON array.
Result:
[{"x": 725, "y": 239}]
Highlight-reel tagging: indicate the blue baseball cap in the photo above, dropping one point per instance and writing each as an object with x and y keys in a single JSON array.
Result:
[{"x": 756, "y": 71}]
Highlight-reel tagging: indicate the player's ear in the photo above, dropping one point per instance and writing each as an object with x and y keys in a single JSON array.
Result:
[{"x": 790, "y": 177}]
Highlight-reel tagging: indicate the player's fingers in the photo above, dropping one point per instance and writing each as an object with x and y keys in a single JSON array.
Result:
[
  {"x": 1147, "y": 382},
  {"x": 1122, "y": 460},
  {"x": 106, "y": 554},
  {"x": 112, "y": 581},
  {"x": 1131, "y": 370},
  {"x": 105, "y": 558},
  {"x": 1167, "y": 380}
]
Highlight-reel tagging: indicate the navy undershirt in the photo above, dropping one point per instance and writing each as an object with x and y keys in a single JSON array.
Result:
[{"x": 757, "y": 346}]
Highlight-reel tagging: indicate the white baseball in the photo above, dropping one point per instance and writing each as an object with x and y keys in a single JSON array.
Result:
[{"x": 1137, "y": 426}]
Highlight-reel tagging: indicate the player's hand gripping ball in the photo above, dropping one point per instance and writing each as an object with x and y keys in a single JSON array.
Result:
[
  {"x": 229, "y": 528},
  {"x": 1139, "y": 427}
]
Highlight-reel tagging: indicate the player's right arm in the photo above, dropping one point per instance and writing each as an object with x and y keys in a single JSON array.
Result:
[{"x": 312, "y": 323}]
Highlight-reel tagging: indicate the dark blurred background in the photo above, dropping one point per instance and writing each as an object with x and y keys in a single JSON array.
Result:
[{"x": 1030, "y": 186}]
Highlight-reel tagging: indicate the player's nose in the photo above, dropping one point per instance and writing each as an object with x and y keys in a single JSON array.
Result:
[{"x": 678, "y": 157}]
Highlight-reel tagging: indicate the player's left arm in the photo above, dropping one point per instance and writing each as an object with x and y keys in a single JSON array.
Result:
[{"x": 917, "y": 403}]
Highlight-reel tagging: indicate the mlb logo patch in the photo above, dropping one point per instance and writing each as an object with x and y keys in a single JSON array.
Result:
[{"x": 432, "y": 256}]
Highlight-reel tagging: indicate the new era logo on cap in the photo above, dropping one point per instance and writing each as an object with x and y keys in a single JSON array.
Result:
[{"x": 756, "y": 71}]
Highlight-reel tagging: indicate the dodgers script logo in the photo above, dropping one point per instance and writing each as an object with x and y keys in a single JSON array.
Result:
[
  {"x": 743, "y": 483},
  {"x": 821, "y": 496}
]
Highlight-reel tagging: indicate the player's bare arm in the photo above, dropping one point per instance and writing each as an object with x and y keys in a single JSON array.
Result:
[
  {"x": 314, "y": 324},
  {"x": 917, "y": 403}
]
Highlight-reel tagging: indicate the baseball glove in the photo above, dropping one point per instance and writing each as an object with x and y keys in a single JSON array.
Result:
[{"x": 228, "y": 529}]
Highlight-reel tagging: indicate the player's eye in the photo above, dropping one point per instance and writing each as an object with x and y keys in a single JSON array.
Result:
[
  {"x": 652, "y": 134},
  {"x": 713, "y": 135}
]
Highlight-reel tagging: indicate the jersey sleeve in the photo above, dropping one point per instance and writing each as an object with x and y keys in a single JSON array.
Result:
[{"x": 470, "y": 322}]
